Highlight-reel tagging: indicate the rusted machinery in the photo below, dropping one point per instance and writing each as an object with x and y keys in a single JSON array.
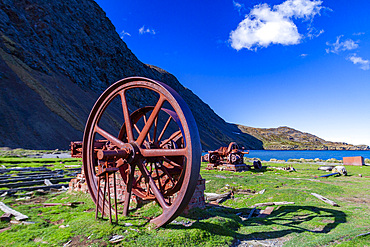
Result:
[
  {"x": 156, "y": 151},
  {"x": 232, "y": 154},
  {"x": 231, "y": 157}
]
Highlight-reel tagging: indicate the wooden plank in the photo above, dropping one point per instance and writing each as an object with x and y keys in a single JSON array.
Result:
[
  {"x": 47, "y": 182},
  {"x": 54, "y": 186},
  {"x": 251, "y": 213},
  {"x": 325, "y": 199},
  {"x": 18, "y": 215},
  {"x": 74, "y": 169},
  {"x": 32, "y": 183},
  {"x": 266, "y": 212},
  {"x": 30, "y": 178},
  {"x": 283, "y": 203},
  {"x": 69, "y": 204},
  {"x": 271, "y": 203},
  {"x": 215, "y": 197},
  {"x": 4, "y": 229},
  {"x": 263, "y": 204},
  {"x": 36, "y": 173},
  {"x": 24, "y": 169},
  {"x": 73, "y": 166},
  {"x": 6, "y": 217}
]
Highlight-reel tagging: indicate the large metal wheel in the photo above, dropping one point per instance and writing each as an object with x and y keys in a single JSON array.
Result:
[{"x": 156, "y": 148}]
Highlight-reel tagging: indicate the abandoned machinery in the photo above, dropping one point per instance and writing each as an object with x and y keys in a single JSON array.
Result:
[
  {"x": 156, "y": 151},
  {"x": 229, "y": 158}
]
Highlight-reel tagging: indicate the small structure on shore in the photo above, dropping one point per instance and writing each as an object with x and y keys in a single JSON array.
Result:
[{"x": 353, "y": 161}]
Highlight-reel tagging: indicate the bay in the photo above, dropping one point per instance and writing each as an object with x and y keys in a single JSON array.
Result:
[{"x": 306, "y": 154}]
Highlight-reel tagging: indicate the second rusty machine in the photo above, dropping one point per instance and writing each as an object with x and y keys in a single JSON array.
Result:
[{"x": 229, "y": 158}]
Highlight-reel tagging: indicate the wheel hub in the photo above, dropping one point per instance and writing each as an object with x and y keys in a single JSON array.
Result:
[{"x": 128, "y": 152}]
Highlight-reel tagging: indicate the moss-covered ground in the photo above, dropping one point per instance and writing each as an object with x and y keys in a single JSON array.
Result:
[{"x": 308, "y": 222}]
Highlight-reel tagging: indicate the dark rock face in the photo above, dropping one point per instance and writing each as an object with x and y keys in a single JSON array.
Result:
[{"x": 56, "y": 57}]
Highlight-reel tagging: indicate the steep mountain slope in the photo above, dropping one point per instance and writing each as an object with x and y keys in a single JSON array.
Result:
[
  {"x": 285, "y": 138},
  {"x": 56, "y": 57}
]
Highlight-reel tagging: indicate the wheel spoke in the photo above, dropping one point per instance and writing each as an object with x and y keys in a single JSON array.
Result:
[
  {"x": 171, "y": 162},
  {"x": 109, "y": 137},
  {"x": 150, "y": 122},
  {"x": 168, "y": 174},
  {"x": 163, "y": 152},
  {"x": 126, "y": 115},
  {"x": 137, "y": 129},
  {"x": 155, "y": 128},
  {"x": 158, "y": 195},
  {"x": 174, "y": 135},
  {"x": 158, "y": 178},
  {"x": 144, "y": 117},
  {"x": 128, "y": 190},
  {"x": 164, "y": 129}
]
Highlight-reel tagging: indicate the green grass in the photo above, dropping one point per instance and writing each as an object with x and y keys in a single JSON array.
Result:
[
  {"x": 20, "y": 152},
  {"x": 308, "y": 222},
  {"x": 52, "y": 164}
]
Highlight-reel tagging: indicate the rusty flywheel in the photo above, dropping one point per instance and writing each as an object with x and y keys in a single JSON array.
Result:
[{"x": 156, "y": 149}]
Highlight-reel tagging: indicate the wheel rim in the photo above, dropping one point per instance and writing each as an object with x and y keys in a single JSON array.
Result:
[{"x": 142, "y": 152}]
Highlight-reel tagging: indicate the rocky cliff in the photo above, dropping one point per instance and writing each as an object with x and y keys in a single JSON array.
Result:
[
  {"x": 56, "y": 57},
  {"x": 285, "y": 138}
]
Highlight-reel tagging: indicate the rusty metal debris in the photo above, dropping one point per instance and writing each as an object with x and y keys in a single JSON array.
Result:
[
  {"x": 157, "y": 160},
  {"x": 230, "y": 158}
]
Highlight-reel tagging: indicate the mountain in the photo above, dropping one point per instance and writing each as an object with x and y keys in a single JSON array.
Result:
[
  {"x": 285, "y": 138},
  {"x": 56, "y": 57}
]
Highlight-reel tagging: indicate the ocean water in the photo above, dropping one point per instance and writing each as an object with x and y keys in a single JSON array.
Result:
[{"x": 306, "y": 154}]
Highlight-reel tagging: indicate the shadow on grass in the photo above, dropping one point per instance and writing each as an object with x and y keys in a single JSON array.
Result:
[
  {"x": 263, "y": 169},
  {"x": 288, "y": 219}
]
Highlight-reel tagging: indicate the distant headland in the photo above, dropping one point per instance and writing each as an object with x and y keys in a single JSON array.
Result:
[{"x": 286, "y": 138}]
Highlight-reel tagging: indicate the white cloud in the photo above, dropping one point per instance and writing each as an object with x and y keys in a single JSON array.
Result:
[
  {"x": 299, "y": 8},
  {"x": 364, "y": 63},
  {"x": 338, "y": 46},
  {"x": 264, "y": 25},
  {"x": 123, "y": 34},
  {"x": 359, "y": 33},
  {"x": 313, "y": 33},
  {"x": 142, "y": 30},
  {"x": 238, "y": 6},
  {"x": 304, "y": 55}
]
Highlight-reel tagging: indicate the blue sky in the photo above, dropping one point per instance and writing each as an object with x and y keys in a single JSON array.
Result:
[{"x": 298, "y": 63}]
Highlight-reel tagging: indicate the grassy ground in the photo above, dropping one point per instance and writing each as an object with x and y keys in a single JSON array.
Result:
[
  {"x": 20, "y": 152},
  {"x": 308, "y": 222}
]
